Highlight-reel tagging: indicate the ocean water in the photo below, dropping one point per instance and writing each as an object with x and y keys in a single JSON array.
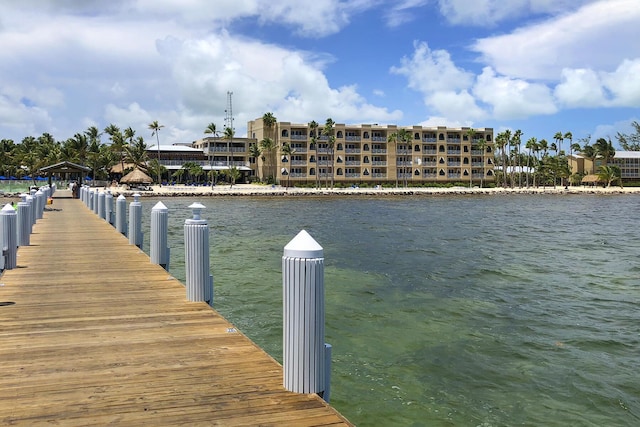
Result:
[{"x": 447, "y": 311}]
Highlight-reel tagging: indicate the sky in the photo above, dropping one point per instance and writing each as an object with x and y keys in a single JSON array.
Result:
[{"x": 541, "y": 66}]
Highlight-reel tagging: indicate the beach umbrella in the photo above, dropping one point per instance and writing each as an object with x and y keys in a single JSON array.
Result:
[{"x": 2, "y": 177}]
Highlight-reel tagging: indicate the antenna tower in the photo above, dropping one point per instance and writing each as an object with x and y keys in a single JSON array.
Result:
[{"x": 228, "y": 120}]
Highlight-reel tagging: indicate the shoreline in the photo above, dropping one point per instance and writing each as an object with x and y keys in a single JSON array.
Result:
[
  {"x": 256, "y": 190},
  {"x": 253, "y": 190}
]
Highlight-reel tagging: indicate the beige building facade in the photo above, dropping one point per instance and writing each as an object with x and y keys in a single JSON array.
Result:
[{"x": 363, "y": 154}]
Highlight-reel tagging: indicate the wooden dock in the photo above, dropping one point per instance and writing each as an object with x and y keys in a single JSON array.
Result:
[{"x": 92, "y": 333}]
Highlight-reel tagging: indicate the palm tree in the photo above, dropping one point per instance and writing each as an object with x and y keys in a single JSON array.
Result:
[
  {"x": 609, "y": 174},
  {"x": 268, "y": 147},
  {"x": 590, "y": 153},
  {"x": 287, "y": 151},
  {"x": 405, "y": 137},
  {"x": 559, "y": 137},
  {"x": 269, "y": 122},
  {"x": 531, "y": 146},
  {"x": 136, "y": 153},
  {"x": 329, "y": 131},
  {"x": 233, "y": 173},
  {"x": 516, "y": 141},
  {"x": 502, "y": 140},
  {"x": 482, "y": 146},
  {"x": 155, "y": 128},
  {"x": 605, "y": 150},
  {"x": 393, "y": 139},
  {"x": 211, "y": 129},
  {"x": 313, "y": 130},
  {"x": 255, "y": 153}
]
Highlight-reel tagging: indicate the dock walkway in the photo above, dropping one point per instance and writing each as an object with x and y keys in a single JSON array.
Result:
[{"x": 92, "y": 333}]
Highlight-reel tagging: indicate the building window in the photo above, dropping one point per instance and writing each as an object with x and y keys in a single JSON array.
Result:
[
  {"x": 366, "y": 135},
  {"x": 312, "y": 171},
  {"x": 366, "y": 147},
  {"x": 416, "y": 148},
  {"x": 366, "y": 159},
  {"x": 285, "y": 133},
  {"x": 441, "y": 173},
  {"x": 340, "y": 147},
  {"x": 339, "y": 171},
  {"x": 416, "y": 135},
  {"x": 441, "y": 149},
  {"x": 417, "y": 172},
  {"x": 339, "y": 134},
  {"x": 441, "y": 137}
]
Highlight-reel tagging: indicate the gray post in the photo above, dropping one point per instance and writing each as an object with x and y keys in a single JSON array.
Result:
[
  {"x": 24, "y": 221},
  {"x": 8, "y": 224},
  {"x": 31, "y": 203},
  {"x": 159, "y": 251},
  {"x": 34, "y": 206},
  {"x": 95, "y": 205},
  {"x": 108, "y": 207},
  {"x": 101, "y": 208},
  {"x": 135, "y": 222},
  {"x": 40, "y": 201},
  {"x": 196, "y": 257},
  {"x": 303, "y": 315},
  {"x": 121, "y": 214}
]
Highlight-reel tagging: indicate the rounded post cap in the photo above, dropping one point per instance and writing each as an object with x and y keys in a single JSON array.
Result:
[{"x": 303, "y": 246}]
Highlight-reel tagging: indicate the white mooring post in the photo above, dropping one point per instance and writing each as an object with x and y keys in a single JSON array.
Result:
[
  {"x": 96, "y": 201},
  {"x": 31, "y": 203},
  {"x": 34, "y": 206},
  {"x": 196, "y": 257},
  {"x": 24, "y": 221},
  {"x": 8, "y": 223},
  {"x": 108, "y": 207},
  {"x": 306, "y": 365},
  {"x": 121, "y": 214},
  {"x": 101, "y": 207},
  {"x": 159, "y": 251},
  {"x": 40, "y": 202},
  {"x": 135, "y": 222}
]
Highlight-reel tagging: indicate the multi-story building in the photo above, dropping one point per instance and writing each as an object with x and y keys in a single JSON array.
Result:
[
  {"x": 627, "y": 161},
  {"x": 364, "y": 154}
]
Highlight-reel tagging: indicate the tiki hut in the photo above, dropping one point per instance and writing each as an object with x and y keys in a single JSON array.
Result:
[
  {"x": 592, "y": 180},
  {"x": 136, "y": 176}
]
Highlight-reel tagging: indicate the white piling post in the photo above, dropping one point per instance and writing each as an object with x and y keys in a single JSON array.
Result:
[
  {"x": 159, "y": 251},
  {"x": 8, "y": 223},
  {"x": 95, "y": 205},
  {"x": 40, "y": 201},
  {"x": 135, "y": 222},
  {"x": 108, "y": 207},
  {"x": 30, "y": 217},
  {"x": 24, "y": 221},
  {"x": 101, "y": 208},
  {"x": 303, "y": 315},
  {"x": 121, "y": 214},
  {"x": 196, "y": 257}
]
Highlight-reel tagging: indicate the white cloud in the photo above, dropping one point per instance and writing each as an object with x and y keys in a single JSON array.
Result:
[
  {"x": 590, "y": 37},
  {"x": 513, "y": 98},
  {"x": 490, "y": 12},
  {"x": 403, "y": 11},
  {"x": 580, "y": 88},
  {"x": 443, "y": 85},
  {"x": 624, "y": 84}
]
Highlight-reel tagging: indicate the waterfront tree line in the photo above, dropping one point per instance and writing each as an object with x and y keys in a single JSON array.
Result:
[{"x": 517, "y": 163}]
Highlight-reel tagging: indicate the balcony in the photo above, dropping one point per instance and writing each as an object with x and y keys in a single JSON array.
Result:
[
  {"x": 428, "y": 139},
  {"x": 352, "y": 138},
  {"x": 379, "y": 150},
  {"x": 379, "y": 163},
  {"x": 352, "y": 175},
  {"x": 299, "y": 137},
  {"x": 352, "y": 150},
  {"x": 352, "y": 163},
  {"x": 378, "y": 175},
  {"x": 298, "y": 175},
  {"x": 379, "y": 138}
]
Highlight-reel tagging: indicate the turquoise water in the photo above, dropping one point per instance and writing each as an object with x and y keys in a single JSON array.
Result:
[{"x": 448, "y": 311}]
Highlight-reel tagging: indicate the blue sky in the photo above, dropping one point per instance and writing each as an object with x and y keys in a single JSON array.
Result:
[{"x": 541, "y": 66}]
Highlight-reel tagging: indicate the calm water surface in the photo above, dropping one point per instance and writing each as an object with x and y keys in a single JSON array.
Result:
[{"x": 448, "y": 311}]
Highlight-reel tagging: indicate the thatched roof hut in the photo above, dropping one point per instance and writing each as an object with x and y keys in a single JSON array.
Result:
[
  {"x": 592, "y": 179},
  {"x": 136, "y": 176}
]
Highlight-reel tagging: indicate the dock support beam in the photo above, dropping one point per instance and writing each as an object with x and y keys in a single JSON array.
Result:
[
  {"x": 136, "y": 236},
  {"x": 196, "y": 257},
  {"x": 159, "y": 251}
]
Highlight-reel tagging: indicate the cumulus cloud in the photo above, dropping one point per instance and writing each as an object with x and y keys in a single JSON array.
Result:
[
  {"x": 490, "y": 12},
  {"x": 444, "y": 86},
  {"x": 513, "y": 98},
  {"x": 587, "y": 38},
  {"x": 580, "y": 88}
]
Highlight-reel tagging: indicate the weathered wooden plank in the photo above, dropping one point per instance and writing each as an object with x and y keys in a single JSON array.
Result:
[{"x": 94, "y": 334}]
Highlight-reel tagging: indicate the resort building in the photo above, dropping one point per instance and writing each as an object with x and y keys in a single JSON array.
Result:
[
  {"x": 627, "y": 161},
  {"x": 363, "y": 154}
]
